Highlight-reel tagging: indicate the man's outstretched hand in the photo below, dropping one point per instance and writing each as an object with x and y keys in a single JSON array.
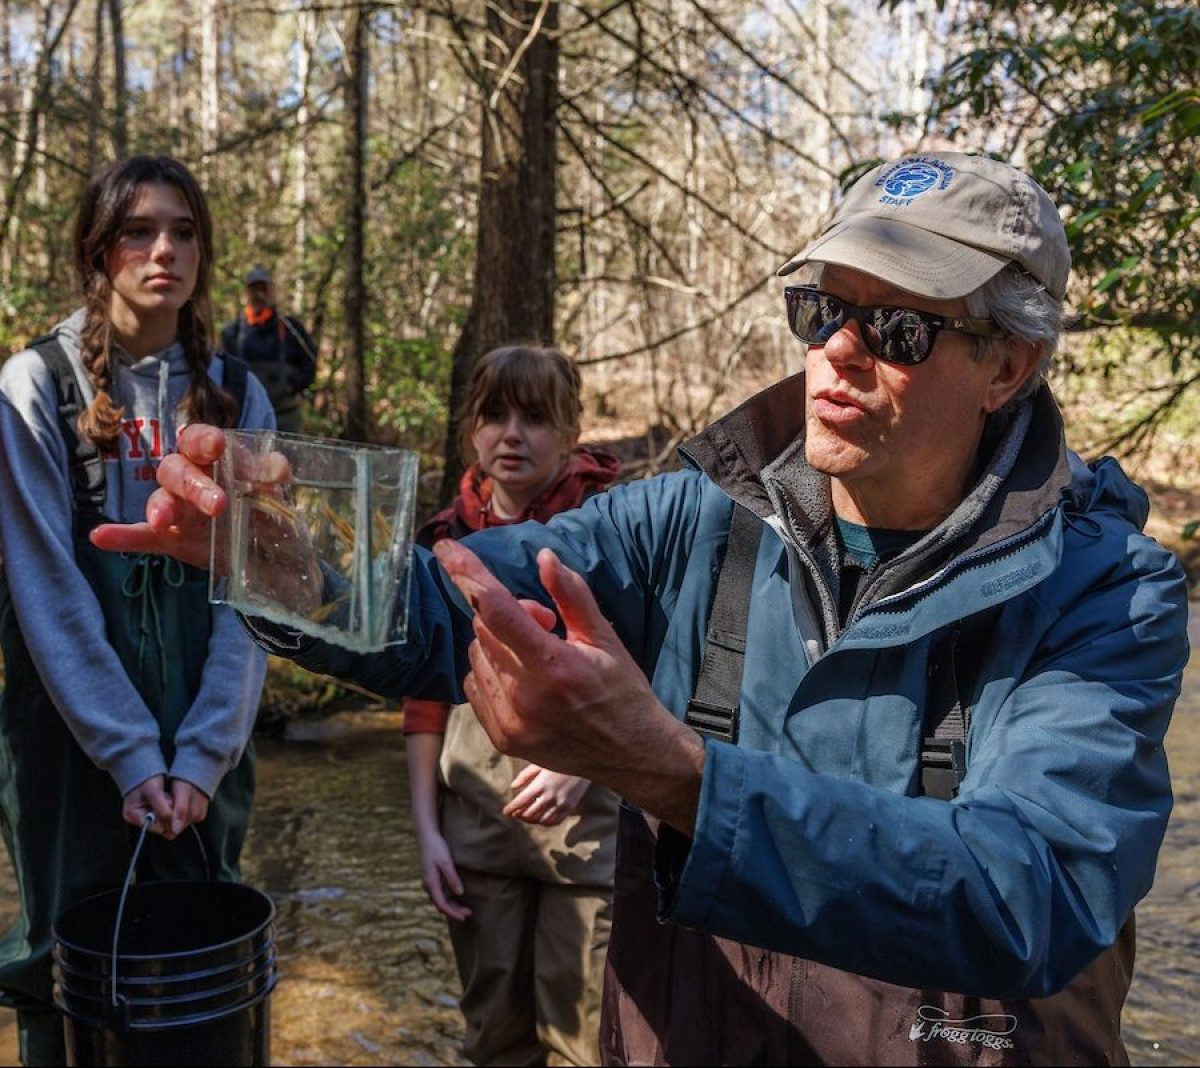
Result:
[
  {"x": 579, "y": 705},
  {"x": 179, "y": 513}
]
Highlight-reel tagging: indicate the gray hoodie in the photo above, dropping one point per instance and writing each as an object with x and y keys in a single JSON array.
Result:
[{"x": 60, "y": 617}]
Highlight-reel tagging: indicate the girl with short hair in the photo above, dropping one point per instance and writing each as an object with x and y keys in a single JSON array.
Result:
[{"x": 518, "y": 858}]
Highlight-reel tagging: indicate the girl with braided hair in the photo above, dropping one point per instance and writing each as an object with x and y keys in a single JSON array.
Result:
[
  {"x": 517, "y": 857},
  {"x": 99, "y": 726}
]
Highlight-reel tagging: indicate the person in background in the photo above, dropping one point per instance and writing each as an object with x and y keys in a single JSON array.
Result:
[
  {"x": 126, "y": 694},
  {"x": 518, "y": 858},
  {"x": 883, "y": 675},
  {"x": 277, "y": 348}
]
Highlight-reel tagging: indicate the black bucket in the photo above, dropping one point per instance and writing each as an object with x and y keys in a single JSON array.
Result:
[{"x": 194, "y": 967}]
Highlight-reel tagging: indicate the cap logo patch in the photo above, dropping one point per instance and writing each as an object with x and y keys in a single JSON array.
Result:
[{"x": 903, "y": 182}]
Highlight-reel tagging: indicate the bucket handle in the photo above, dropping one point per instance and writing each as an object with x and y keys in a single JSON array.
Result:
[
  {"x": 147, "y": 821},
  {"x": 119, "y": 1003}
]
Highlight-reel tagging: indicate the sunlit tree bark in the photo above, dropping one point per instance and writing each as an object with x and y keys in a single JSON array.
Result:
[
  {"x": 179, "y": 78},
  {"x": 96, "y": 81},
  {"x": 37, "y": 98},
  {"x": 8, "y": 81},
  {"x": 210, "y": 87},
  {"x": 306, "y": 40},
  {"x": 358, "y": 19},
  {"x": 120, "y": 126}
]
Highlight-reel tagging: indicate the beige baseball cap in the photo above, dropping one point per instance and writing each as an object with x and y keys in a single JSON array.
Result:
[{"x": 941, "y": 224}]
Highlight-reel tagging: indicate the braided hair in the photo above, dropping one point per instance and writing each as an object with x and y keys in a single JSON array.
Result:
[{"x": 109, "y": 198}]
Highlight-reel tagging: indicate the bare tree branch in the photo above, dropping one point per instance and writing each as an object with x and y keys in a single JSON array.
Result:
[
  {"x": 773, "y": 74},
  {"x": 43, "y": 79},
  {"x": 619, "y": 203},
  {"x": 639, "y": 158},
  {"x": 683, "y": 330}
]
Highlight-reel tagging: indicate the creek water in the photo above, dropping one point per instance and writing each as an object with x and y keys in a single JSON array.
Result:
[
  {"x": 367, "y": 975},
  {"x": 1160, "y": 1022}
]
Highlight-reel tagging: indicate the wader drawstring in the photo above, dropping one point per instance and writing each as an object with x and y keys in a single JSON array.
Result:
[{"x": 138, "y": 585}]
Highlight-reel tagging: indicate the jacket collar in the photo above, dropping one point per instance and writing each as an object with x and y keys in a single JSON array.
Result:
[{"x": 756, "y": 455}]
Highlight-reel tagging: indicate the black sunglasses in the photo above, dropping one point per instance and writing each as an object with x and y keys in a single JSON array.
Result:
[{"x": 895, "y": 335}]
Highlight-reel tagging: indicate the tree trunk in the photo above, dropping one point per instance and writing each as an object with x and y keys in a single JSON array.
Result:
[
  {"x": 513, "y": 297},
  {"x": 8, "y": 78},
  {"x": 8, "y": 106},
  {"x": 355, "y": 300},
  {"x": 37, "y": 99},
  {"x": 210, "y": 101},
  {"x": 180, "y": 47},
  {"x": 97, "y": 84},
  {"x": 308, "y": 26},
  {"x": 120, "y": 95}
]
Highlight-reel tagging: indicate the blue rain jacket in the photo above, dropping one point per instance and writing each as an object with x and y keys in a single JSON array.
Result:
[{"x": 810, "y": 838}]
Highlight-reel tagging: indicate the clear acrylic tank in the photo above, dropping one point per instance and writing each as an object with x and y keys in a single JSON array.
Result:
[{"x": 317, "y": 535}]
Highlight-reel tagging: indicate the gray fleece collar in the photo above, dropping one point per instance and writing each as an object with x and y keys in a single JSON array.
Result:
[{"x": 756, "y": 455}]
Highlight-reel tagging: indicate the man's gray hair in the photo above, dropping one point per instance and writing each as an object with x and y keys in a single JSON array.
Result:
[{"x": 1023, "y": 308}]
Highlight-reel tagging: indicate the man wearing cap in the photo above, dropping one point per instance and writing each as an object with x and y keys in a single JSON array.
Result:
[
  {"x": 883, "y": 674},
  {"x": 276, "y": 346}
]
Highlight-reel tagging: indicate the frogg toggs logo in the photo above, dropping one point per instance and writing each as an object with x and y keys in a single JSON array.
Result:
[
  {"x": 903, "y": 182},
  {"x": 990, "y": 1031}
]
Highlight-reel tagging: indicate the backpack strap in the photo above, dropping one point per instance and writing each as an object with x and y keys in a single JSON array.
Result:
[
  {"x": 953, "y": 671},
  {"x": 84, "y": 462},
  {"x": 954, "y": 667},
  {"x": 713, "y": 709}
]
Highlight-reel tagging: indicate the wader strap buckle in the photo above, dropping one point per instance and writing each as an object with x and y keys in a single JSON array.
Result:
[{"x": 713, "y": 709}]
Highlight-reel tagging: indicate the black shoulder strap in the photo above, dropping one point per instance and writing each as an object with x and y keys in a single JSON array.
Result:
[
  {"x": 954, "y": 668},
  {"x": 236, "y": 374},
  {"x": 86, "y": 466},
  {"x": 713, "y": 709}
]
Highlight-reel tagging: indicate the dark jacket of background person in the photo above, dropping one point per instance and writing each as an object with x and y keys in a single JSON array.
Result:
[{"x": 281, "y": 354}]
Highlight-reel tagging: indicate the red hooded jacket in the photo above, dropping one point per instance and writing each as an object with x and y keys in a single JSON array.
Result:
[{"x": 589, "y": 470}]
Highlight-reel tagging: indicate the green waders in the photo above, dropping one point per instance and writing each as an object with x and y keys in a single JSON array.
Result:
[{"x": 61, "y": 815}]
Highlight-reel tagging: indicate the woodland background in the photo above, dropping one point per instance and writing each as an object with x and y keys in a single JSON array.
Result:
[{"x": 430, "y": 178}]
